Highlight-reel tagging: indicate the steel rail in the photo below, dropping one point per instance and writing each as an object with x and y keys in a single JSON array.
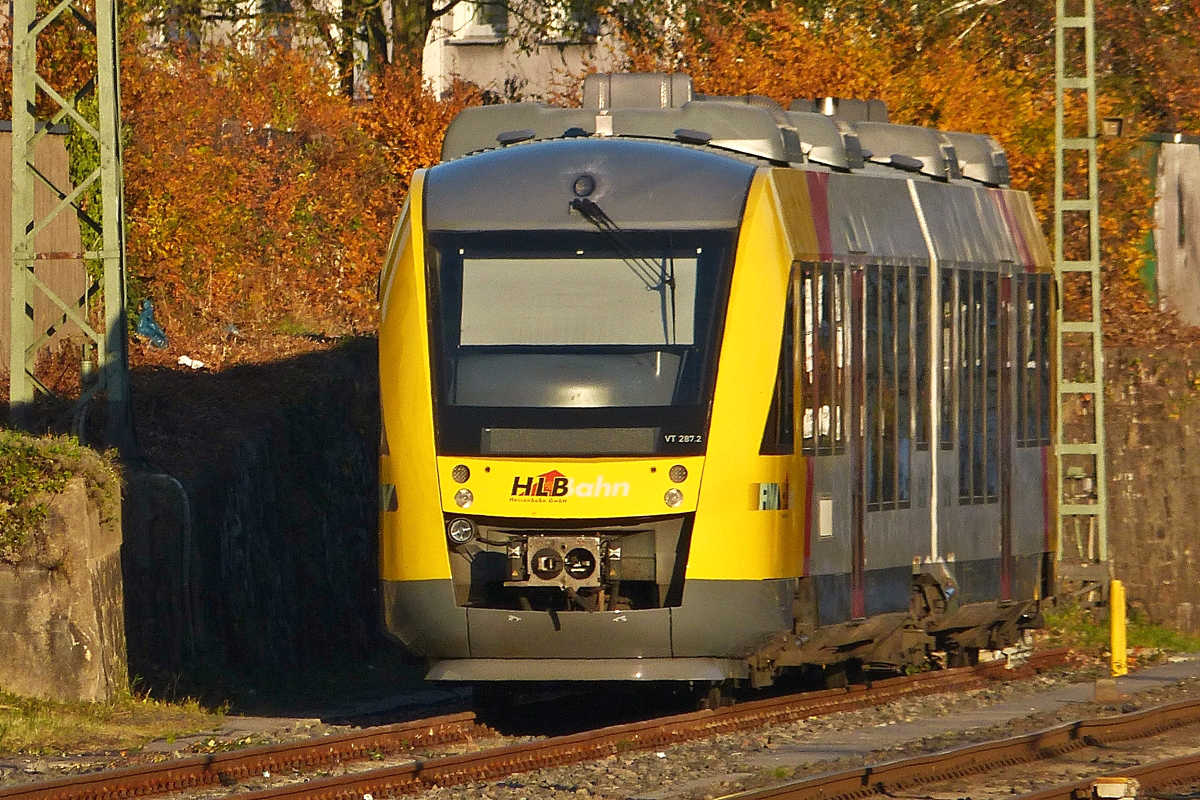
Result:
[
  {"x": 1150, "y": 777},
  {"x": 416, "y": 775},
  {"x": 889, "y": 777},
  {"x": 498, "y": 762},
  {"x": 236, "y": 765}
]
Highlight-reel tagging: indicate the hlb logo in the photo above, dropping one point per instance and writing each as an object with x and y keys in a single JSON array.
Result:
[
  {"x": 554, "y": 485},
  {"x": 548, "y": 484}
]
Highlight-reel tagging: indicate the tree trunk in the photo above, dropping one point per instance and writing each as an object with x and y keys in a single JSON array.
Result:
[
  {"x": 345, "y": 56},
  {"x": 411, "y": 21}
]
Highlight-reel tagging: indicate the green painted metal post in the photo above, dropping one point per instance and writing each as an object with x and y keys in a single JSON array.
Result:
[
  {"x": 1082, "y": 487},
  {"x": 24, "y": 57},
  {"x": 104, "y": 326},
  {"x": 114, "y": 364}
]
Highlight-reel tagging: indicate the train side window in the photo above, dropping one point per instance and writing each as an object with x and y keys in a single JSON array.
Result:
[
  {"x": 887, "y": 398},
  {"x": 778, "y": 435},
  {"x": 838, "y": 352},
  {"x": 1045, "y": 304},
  {"x": 964, "y": 359},
  {"x": 991, "y": 404},
  {"x": 903, "y": 382},
  {"x": 887, "y": 387},
  {"x": 872, "y": 380},
  {"x": 1020, "y": 356},
  {"x": 979, "y": 388},
  {"x": 920, "y": 333},
  {"x": 822, "y": 358},
  {"x": 810, "y": 362},
  {"x": 948, "y": 397},
  {"x": 1025, "y": 289},
  {"x": 970, "y": 387}
]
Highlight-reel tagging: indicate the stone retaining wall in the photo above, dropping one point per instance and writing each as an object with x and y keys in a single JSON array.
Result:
[
  {"x": 1153, "y": 416},
  {"x": 62, "y": 615}
]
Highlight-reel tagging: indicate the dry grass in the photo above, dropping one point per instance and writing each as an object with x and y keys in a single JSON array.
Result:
[{"x": 43, "y": 727}]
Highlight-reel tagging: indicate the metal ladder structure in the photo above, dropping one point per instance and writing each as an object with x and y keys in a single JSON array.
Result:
[
  {"x": 100, "y": 312},
  {"x": 1082, "y": 518}
]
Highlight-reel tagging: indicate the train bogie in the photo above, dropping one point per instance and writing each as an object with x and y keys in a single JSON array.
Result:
[{"x": 711, "y": 390}]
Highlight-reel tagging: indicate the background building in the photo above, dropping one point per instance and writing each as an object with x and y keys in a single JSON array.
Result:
[{"x": 515, "y": 52}]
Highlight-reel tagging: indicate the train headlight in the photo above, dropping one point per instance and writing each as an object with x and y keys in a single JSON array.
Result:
[
  {"x": 461, "y": 473},
  {"x": 580, "y": 563},
  {"x": 460, "y": 530},
  {"x": 673, "y": 498},
  {"x": 463, "y": 498},
  {"x": 678, "y": 473}
]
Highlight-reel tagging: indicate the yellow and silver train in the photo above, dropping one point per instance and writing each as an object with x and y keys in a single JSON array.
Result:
[{"x": 698, "y": 389}]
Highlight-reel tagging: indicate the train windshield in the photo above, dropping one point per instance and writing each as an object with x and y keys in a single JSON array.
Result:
[{"x": 575, "y": 326}]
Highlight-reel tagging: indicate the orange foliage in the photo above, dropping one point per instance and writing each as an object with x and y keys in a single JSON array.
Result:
[
  {"x": 407, "y": 121},
  {"x": 257, "y": 195},
  {"x": 66, "y": 56}
]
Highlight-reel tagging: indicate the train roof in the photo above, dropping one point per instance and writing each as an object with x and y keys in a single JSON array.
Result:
[{"x": 840, "y": 135}]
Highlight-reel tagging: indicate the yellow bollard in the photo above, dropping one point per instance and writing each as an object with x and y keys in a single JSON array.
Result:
[{"x": 1116, "y": 629}]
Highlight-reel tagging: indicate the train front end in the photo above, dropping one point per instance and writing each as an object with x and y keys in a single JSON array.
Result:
[{"x": 554, "y": 314}]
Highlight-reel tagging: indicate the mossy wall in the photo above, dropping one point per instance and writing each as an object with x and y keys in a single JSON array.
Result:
[{"x": 62, "y": 626}]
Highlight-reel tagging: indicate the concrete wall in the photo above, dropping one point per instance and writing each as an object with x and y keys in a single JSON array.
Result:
[
  {"x": 62, "y": 624},
  {"x": 260, "y": 560},
  {"x": 65, "y": 276},
  {"x": 1153, "y": 418}
]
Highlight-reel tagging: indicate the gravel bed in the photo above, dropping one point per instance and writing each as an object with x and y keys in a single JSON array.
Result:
[
  {"x": 689, "y": 771},
  {"x": 724, "y": 764}
]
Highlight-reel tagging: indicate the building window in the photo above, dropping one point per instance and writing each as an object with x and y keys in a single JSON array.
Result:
[
  {"x": 481, "y": 21},
  {"x": 823, "y": 358}
]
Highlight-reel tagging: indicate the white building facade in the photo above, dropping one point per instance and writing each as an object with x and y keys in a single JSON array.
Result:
[{"x": 505, "y": 50}]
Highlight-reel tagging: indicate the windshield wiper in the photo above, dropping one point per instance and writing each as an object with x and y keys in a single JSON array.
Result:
[{"x": 657, "y": 278}]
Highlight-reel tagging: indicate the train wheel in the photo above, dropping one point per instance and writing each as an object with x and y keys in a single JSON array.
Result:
[
  {"x": 718, "y": 695},
  {"x": 962, "y": 657},
  {"x": 842, "y": 674}
]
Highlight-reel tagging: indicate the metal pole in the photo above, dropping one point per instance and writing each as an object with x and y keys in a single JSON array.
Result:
[
  {"x": 1119, "y": 661},
  {"x": 24, "y": 62},
  {"x": 114, "y": 357},
  {"x": 1079, "y": 200},
  {"x": 106, "y": 329}
]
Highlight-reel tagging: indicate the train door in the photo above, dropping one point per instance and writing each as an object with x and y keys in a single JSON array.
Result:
[
  {"x": 822, "y": 385},
  {"x": 890, "y": 433},
  {"x": 975, "y": 463}
]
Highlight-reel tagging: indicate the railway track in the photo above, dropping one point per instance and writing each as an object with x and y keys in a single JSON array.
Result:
[
  {"x": 880, "y": 780},
  {"x": 1152, "y": 779},
  {"x": 412, "y": 776},
  {"x": 233, "y": 766}
]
